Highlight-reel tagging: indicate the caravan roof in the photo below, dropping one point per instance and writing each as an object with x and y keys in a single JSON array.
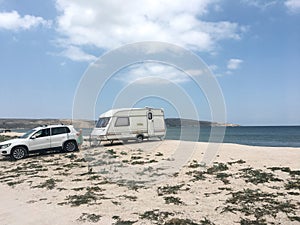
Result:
[{"x": 112, "y": 112}]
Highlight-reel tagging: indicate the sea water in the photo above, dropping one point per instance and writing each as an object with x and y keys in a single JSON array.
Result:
[{"x": 275, "y": 136}]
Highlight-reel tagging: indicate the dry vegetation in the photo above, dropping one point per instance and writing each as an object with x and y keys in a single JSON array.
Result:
[{"x": 230, "y": 192}]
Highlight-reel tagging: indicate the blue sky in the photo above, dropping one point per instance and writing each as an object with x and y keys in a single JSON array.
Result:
[{"x": 251, "y": 47}]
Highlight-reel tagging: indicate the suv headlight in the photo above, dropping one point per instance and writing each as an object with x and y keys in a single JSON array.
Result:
[{"x": 4, "y": 146}]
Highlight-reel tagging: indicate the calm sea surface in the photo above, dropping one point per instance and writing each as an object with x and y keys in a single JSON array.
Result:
[{"x": 277, "y": 136}]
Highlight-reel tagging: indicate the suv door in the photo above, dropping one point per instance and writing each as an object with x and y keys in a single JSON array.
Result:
[
  {"x": 40, "y": 140},
  {"x": 58, "y": 136}
]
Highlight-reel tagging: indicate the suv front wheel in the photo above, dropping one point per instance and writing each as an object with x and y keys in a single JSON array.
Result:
[
  {"x": 18, "y": 152},
  {"x": 70, "y": 146}
]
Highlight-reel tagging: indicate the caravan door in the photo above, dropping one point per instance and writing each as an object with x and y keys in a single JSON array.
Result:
[{"x": 150, "y": 124}]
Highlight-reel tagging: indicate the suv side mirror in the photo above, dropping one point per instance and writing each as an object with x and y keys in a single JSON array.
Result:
[{"x": 33, "y": 137}]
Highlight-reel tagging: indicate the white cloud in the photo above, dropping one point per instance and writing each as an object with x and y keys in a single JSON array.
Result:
[
  {"x": 261, "y": 4},
  {"x": 293, "y": 5},
  {"x": 213, "y": 67},
  {"x": 110, "y": 24},
  {"x": 154, "y": 73},
  {"x": 13, "y": 21},
  {"x": 234, "y": 64},
  {"x": 76, "y": 54}
]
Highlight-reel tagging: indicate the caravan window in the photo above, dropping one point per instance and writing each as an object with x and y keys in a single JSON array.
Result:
[
  {"x": 122, "y": 121},
  {"x": 102, "y": 122},
  {"x": 150, "y": 116}
]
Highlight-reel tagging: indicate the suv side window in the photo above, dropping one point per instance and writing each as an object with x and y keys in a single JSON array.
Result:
[
  {"x": 42, "y": 133},
  {"x": 60, "y": 130}
]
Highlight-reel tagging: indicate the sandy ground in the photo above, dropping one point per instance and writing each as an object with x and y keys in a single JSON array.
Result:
[
  {"x": 154, "y": 182},
  {"x": 11, "y": 134}
]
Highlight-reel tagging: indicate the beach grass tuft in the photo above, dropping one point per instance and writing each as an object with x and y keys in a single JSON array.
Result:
[
  {"x": 14, "y": 183},
  {"x": 71, "y": 156},
  {"x": 169, "y": 189},
  {"x": 258, "y": 204},
  {"x": 223, "y": 177},
  {"x": 87, "y": 217},
  {"x": 240, "y": 161},
  {"x": 177, "y": 221},
  {"x": 287, "y": 170},
  {"x": 198, "y": 175},
  {"x": 124, "y": 222},
  {"x": 156, "y": 216},
  {"x": 194, "y": 164},
  {"x": 173, "y": 200},
  {"x": 112, "y": 153},
  {"x": 76, "y": 200},
  {"x": 129, "y": 197},
  {"x": 257, "y": 176},
  {"x": 293, "y": 184},
  {"x": 48, "y": 184},
  {"x": 217, "y": 167}
]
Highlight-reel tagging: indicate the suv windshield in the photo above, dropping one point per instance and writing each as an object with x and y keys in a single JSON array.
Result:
[
  {"x": 28, "y": 133},
  {"x": 102, "y": 122}
]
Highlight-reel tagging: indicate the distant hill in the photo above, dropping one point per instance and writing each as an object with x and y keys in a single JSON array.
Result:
[
  {"x": 31, "y": 123},
  {"x": 177, "y": 122}
]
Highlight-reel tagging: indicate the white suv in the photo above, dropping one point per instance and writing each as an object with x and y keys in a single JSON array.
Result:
[{"x": 41, "y": 138}]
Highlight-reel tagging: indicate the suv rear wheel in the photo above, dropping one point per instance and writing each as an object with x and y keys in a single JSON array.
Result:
[
  {"x": 70, "y": 146},
  {"x": 18, "y": 152}
]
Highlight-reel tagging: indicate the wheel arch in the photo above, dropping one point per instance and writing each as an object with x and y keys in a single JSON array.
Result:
[
  {"x": 69, "y": 140},
  {"x": 21, "y": 145}
]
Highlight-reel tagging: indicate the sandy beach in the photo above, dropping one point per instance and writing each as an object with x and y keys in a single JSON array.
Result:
[
  {"x": 11, "y": 134},
  {"x": 109, "y": 185}
]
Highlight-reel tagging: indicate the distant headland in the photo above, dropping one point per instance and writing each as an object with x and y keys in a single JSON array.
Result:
[
  {"x": 178, "y": 122},
  {"x": 31, "y": 123}
]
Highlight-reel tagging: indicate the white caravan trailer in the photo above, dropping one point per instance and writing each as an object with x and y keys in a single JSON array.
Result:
[{"x": 130, "y": 124}]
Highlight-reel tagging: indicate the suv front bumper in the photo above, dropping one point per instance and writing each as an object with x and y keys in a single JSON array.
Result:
[{"x": 4, "y": 152}]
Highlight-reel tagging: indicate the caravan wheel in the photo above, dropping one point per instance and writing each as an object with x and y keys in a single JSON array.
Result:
[{"x": 139, "y": 138}]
